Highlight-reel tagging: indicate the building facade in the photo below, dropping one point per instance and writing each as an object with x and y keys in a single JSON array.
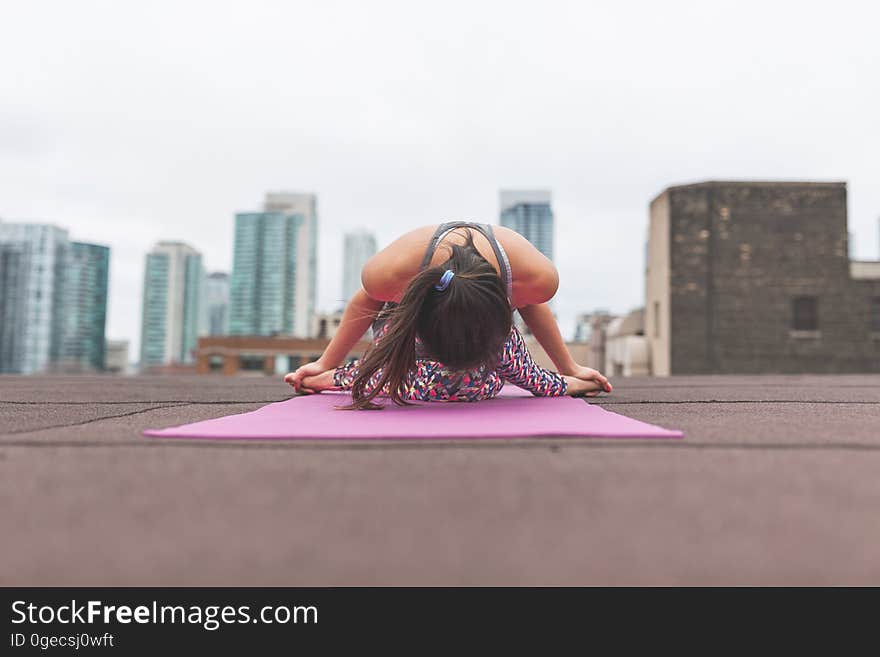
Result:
[
  {"x": 590, "y": 329},
  {"x": 32, "y": 258},
  {"x": 359, "y": 246},
  {"x": 53, "y": 300},
  {"x": 305, "y": 265},
  {"x": 273, "y": 287},
  {"x": 752, "y": 277},
  {"x": 116, "y": 358},
  {"x": 269, "y": 355},
  {"x": 529, "y": 213},
  {"x": 625, "y": 350},
  {"x": 84, "y": 281},
  {"x": 13, "y": 293},
  {"x": 173, "y": 277},
  {"x": 262, "y": 293},
  {"x": 215, "y": 304}
]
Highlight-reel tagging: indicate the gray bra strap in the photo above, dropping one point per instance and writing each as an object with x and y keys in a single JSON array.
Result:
[
  {"x": 486, "y": 230},
  {"x": 439, "y": 234}
]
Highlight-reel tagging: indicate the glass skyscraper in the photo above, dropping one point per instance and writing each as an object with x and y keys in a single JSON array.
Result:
[
  {"x": 173, "y": 278},
  {"x": 53, "y": 300},
  {"x": 33, "y": 257},
  {"x": 263, "y": 290},
  {"x": 305, "y": 265},
  {"x": 13, "y": 295},
  {"x": 274, "y": 273},
  {"x": 530, "y": 214},
  {"x": 359, "y": 247},
  {"x": 83, "y": 321},
  {"x": 215, "y": 301}
]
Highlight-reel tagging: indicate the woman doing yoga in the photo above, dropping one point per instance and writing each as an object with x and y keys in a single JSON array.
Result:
[{"x": 440, "y": 301}]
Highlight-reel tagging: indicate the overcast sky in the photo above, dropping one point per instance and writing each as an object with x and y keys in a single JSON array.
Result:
[{"x": 131, "y": 122}]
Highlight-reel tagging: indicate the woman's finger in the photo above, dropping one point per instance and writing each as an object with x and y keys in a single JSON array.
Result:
[{"x": 296, "y": 379}]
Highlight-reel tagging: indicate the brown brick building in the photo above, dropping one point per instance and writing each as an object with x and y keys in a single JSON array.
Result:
[
  {"x": 752, "y": 277},
  {"x": 239, "y": 354}
]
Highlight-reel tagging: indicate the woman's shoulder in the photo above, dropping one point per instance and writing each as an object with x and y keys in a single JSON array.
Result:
[
  {"x": 387, "y": 273},
  {"x": 534, "y": 276}
]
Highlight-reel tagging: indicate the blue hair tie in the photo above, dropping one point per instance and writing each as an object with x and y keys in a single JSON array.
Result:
[{"x": 444, "y": 280}]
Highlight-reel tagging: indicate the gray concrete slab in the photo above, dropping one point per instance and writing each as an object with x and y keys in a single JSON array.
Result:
[
  {"x": 775, "y": 483},
  {"x": 18, "y": 419},
  {"x": 110, "y": 424},
  {"x": 215, "y": 389}
]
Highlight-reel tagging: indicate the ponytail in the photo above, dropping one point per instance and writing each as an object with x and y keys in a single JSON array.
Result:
[
  {"x": 461, "y": 314},
  {"x": 394, "y": 355}
]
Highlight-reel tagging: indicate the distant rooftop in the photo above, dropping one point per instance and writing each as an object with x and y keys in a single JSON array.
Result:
[
  {"x": 511, "y": 197},
  {"x": 864, "y": 269}
]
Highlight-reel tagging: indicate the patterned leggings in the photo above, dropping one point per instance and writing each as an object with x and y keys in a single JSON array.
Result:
[{"x": 433, "y": 381}]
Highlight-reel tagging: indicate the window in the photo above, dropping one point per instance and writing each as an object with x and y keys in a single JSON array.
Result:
[
  {"x": 656, "y": 319},
  {"x": 251, "y": 362},
  {"x": 875, "y": 314},
  {"x": 805, "y": 314}
]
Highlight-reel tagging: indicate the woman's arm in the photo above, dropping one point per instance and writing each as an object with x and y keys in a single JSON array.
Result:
[
  {"x": 539, "y": 318},
  {"x": 543, "y": 326},
  {"x": 358, "y": 315},
  {"x": 384, "y": 277},
  {"x": 535, "y": 281}
]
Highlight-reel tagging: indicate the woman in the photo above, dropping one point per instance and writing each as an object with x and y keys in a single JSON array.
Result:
[{"x": 440, "y": 301}]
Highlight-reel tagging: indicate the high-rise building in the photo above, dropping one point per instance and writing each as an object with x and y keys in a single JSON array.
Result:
[
  {"x": 305, "y": 274},
  {"x": 530, "y": 214},
  {"x": 262, "y": 290},
  {"x": 274, "y": 273},
  {"x": 215, "y": 304},
  {"x": 31, "y": 260},
  {"x": 170, "y": 312},
  {"x": 83, "y": 320},
  {"x": 53, "y": 300},
  {"x": 359, "y": 246},
  {"x": 13, "y": 292}
]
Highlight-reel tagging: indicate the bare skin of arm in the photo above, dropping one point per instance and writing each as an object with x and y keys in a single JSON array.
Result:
[
  {"x": 358, "y": 315},
  {"x": 386, "y": 275},
  {"x": 535, "y": 281},
  {"x": 384, "y": 278}
]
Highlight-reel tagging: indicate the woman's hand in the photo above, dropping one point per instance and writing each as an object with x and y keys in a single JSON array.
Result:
[
  {"x": 313, "y": 369},
  {"x": 320, "y": 383},
  {"x": 587, "y": 381},
  {"x": 575, "y": 387}
]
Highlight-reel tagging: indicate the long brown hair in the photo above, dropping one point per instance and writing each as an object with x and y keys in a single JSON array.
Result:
[{"x": 463, "y": 326}]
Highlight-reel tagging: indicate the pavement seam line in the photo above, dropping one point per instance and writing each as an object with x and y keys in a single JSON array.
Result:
[{"x": 93, "y": 420}]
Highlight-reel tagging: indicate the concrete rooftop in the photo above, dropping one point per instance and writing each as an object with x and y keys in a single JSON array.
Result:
[{"x": 776, "y": 482}]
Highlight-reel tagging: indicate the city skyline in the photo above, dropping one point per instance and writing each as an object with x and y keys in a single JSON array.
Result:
[
  {"x": 421, "y": 122},
  {"x": 204, "y": 323}
]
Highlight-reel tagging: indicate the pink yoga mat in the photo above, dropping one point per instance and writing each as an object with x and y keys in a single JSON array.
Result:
[{"x": 514, "y": 413}]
